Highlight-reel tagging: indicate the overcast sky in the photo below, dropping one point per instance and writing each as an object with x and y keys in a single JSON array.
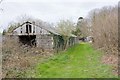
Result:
[{"x": 49, "y": 10}]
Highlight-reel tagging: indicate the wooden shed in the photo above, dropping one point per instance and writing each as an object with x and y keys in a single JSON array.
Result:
[{"x": 40, "y": 35}]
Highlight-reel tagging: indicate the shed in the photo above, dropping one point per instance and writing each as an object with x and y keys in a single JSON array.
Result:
[{"x": 40, "y": 35}]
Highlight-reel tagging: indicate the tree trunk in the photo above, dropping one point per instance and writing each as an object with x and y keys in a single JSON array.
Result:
[{"x": 66, "y": 40}]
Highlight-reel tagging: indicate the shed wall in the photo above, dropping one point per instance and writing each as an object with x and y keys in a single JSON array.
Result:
[{"x": 44, "y": 41}]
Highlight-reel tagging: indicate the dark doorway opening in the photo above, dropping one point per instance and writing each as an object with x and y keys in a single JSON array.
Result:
[
  {"x": 29, "y": 40},
  {"x": 28, "y": 29}
]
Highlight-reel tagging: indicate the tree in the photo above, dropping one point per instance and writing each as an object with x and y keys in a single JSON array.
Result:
[
  {"x": 82, "y": 28},
  {"x": 12, "y": 26},
  {"x": 104, "y": 26},
  {"x": 77, "y": 32},
  {"x": 65, "y": 28},
  {"x": 4, "y": 32}
]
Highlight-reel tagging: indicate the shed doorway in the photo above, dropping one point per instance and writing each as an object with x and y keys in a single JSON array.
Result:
[{"x": 29, "y": 40}]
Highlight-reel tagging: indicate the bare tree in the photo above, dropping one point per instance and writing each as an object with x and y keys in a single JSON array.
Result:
[
  {"x": 65, "y": 28},
  {"x": 104, "y": 26},
  {"x": 83, "y": 27}
]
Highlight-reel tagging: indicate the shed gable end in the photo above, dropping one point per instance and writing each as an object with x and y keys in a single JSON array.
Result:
[{"x": 29, "y": 29}]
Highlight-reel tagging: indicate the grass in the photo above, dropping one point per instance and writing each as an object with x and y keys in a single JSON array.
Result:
[{"x": 79, "y": 61}]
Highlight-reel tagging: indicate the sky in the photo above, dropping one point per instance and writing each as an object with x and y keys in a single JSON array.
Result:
[{"x": 49, "y": 10}]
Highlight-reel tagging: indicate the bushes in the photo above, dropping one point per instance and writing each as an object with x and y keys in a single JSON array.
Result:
[
  {"x": 11, "y": 56},
  {"x": 103, "y": 24},
  {"x": 17, "y": 58},
  {"x": 105, "y": 29}
]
